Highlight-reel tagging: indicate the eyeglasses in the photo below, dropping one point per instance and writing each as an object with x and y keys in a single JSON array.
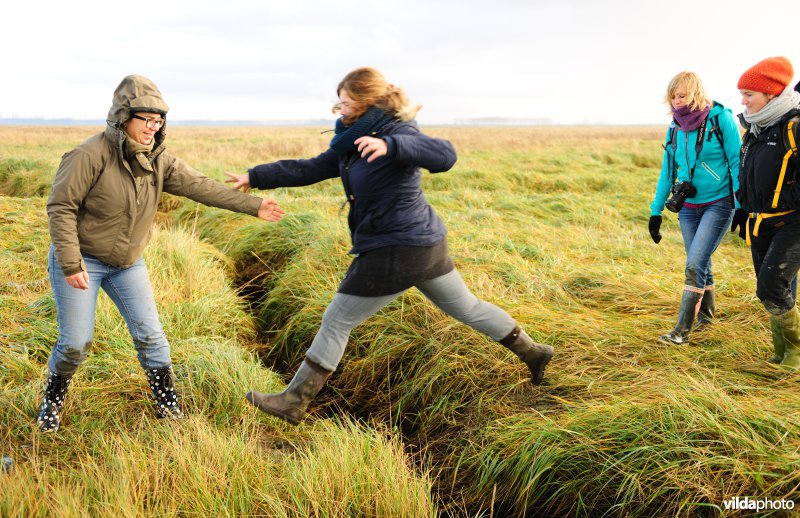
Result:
[{"x": 150, "y": 123}]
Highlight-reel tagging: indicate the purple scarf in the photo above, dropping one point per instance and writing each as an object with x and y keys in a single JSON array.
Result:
[{"x": 689, "y": 120}]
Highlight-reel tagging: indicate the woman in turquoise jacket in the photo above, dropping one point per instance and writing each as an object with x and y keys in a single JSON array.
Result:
[{"x": 699, "y": 174}]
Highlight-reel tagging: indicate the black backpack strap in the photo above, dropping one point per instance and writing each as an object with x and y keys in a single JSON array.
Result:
[
  {"x": 672, "y": 143},
  {"x": 790, "y": 144},
  {"x": 789, "y": 136}
]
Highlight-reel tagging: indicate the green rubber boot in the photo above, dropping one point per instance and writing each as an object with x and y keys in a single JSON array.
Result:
[
  {"x": 789, "y": 325},
  {"x": 777, "y": 341}
]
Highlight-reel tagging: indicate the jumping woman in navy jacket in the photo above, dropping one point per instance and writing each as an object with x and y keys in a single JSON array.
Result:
[{"x": 398, "y": 240}]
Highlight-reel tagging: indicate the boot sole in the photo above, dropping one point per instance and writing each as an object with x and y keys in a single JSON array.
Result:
[
  {"x": 41, "y": 423},
  {"x": 271, "y": 411},
  {"x": 664, "y": 340},
  {"x": 49, "y": 430}
]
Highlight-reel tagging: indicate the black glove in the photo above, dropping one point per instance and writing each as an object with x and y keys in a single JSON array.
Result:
[
  {"x": 654, "y": 226},
  {"x": 740, "y": 218}
]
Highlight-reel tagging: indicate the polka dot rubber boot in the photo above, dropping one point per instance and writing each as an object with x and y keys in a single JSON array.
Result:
[
  {"x": 163, "y": 389},
  {"x": 55, "y": 390}
]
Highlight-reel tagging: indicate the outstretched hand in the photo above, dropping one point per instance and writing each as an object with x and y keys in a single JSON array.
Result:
[
  {"x": 239, "y": 181},
  {"x": 270, "y": 210},
  {"x": 374, "y": 147}
]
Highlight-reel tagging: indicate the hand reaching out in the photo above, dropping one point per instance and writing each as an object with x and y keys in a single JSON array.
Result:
[
  {"x": 239, "y": 181},
  {"x": 270, "y": 210},
  {"x": 374, "y": 147}
]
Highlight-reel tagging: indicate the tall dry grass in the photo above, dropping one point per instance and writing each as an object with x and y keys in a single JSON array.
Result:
[{"x": 548, "y": 223}]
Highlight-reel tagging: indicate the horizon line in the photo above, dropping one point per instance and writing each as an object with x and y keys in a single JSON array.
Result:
[{"x": 476, "y": 121}]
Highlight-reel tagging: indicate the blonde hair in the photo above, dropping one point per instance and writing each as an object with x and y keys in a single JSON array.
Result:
[
  {"x": 367, "y": 87},
  {"x": 696, "y": 98}
]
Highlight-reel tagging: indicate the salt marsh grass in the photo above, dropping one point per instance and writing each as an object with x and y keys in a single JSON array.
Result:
[{"x": 424, "y": 416}]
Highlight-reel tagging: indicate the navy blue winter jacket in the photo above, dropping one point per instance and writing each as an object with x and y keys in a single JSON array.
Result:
[{"x": 387, "y": 206}]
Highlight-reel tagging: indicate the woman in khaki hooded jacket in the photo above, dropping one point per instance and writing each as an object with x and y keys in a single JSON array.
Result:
[{"x": 101, "y": 209}]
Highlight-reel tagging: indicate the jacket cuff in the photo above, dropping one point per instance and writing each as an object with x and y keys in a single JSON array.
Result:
[
  {"x": 252, "y": 178},
  {"x": 254, "y": 205},
  {"x": 72, "y": 270},
  {"x": 391, "y": 147}
]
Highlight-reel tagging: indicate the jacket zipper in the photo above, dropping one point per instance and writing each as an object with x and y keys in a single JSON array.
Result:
[{"x": 710, "y": 171}]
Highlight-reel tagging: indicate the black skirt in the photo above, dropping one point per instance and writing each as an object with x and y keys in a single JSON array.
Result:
[{"x": 392, "y": 269}]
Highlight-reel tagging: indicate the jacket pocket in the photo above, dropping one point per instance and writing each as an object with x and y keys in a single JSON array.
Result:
[{"x": 711, "y": 171}]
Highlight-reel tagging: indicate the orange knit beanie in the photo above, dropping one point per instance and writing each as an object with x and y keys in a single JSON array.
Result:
[{"x": 769, "y": 76}]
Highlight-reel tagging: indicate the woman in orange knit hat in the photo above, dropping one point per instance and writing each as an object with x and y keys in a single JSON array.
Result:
[{"x": 769, "y": 194}]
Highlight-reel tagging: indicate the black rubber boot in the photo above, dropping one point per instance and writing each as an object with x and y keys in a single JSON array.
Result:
[
  {"x": 162, "y": 386},
  {"x": 707, "y": 308},
  {"x": 291, "y": 404},
  {"x": 535, "y": 356},
  {"x": 686, "y": 315},
  {"x": 55, "y": 389}
]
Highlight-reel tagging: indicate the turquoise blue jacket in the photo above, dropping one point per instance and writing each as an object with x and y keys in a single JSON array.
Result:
[{"x": 711, "y": 175}]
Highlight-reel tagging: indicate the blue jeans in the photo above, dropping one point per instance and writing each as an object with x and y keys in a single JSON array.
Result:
[
  {"x": 448, "y": 292},
  {"x": 130, "y": 289},
  {"x": 703, "y": 229}
]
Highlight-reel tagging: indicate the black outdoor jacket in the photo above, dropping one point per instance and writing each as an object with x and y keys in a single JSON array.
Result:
[{"x": 760, "y": 168}]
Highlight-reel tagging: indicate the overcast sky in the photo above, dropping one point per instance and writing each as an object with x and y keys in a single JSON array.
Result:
[{"x": 571, "y": 61}]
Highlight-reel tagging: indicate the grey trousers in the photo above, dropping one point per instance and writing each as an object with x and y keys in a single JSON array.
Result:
[{"x": 448, "y": 292}]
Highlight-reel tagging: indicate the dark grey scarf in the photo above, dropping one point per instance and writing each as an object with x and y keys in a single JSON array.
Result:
[{"x": 370, "y": 122}]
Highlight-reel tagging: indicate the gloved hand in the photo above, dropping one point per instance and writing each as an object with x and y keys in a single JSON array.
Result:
[
  {"x": 740, "y": 218},
  {"x": 654, "y": 226}
]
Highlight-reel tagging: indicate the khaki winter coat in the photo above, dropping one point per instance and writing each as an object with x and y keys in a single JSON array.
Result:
[{"x": 104, "y": 206}]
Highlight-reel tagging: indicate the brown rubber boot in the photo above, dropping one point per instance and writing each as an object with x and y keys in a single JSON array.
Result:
[
  {"x": 291, "y": 404},
  {"x": 535, "y": 356}
]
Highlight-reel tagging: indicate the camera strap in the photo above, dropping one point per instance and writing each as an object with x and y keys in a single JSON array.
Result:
[
  {"x": 672, "y": 142},
  {"x": 698, "y": 146}
]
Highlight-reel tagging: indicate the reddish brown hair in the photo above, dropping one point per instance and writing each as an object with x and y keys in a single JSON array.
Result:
[{"x": 367, "y": 87}]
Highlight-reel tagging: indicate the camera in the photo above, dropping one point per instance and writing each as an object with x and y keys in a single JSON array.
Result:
[{"x": 680, "y": 191}]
